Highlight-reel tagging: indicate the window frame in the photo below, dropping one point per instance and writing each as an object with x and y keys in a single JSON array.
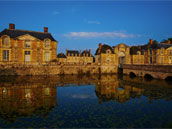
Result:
[
  {"x": 4, "y": 44},
  {"x": 6, "y": 55},
  {"x": 27, "y": 44},
  {"x": 47, "y": 43}
]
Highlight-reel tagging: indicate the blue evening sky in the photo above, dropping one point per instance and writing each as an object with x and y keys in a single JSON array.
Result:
[{"x": 82, "y": 25}]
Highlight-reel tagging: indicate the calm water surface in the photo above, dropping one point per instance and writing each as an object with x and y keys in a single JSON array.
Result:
[{"x": 85, "y": 101}]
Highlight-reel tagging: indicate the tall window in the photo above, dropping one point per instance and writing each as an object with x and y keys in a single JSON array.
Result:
[
  {"x": 5, "y": 55},
  {"x": 161, "y": 51},
  {"x": 161, "y": 60},
  {"x": 150, "y": 60},
  {"x": 170, "y": 52},
  {"x": 5, "y": 41},
  {"x": 151, "y": 51},
  {"x": 38, "y": 54},
  {"x": 47, "y": 91},
  {"x": 169, "y": 60},
  {"x": 47, "y": 56},
  {"x": 138, "y": 60},
  {"x": 47, "y": 43},
  {"x": 16, "y": 54},
  {"x": 27, "y": 44}
]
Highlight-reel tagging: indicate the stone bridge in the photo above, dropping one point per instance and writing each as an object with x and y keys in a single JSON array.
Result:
[{"x": 156, "y": 71}]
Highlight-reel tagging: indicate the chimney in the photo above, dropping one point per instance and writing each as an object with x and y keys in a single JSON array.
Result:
[
  {"x": 100, "y": 46},
  {"x": 89, "y": 51},
  {"x": 169, "y": 42},
  {"x": 11, "y": 26},
  {"x": 66, "y": 52},
  {"x": 150, "y": 41},
  {"x": 45, "y": 29}
]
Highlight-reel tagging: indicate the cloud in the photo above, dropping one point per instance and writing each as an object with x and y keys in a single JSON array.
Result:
[
  {"x": 94, "y": 22},
  {"x": 55, "y": 12},
  {"x": 83, "y": 96},
  {"x": 99, "y": 35}
]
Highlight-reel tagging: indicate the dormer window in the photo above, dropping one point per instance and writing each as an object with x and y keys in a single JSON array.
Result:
[
  {"x": 27, "y": 44},
  {"x": 6, "y": 41},
  {"x": 108, "y": 51},
  {"x": 47, "y": 43},
  {"x": 138, "y": 53}
]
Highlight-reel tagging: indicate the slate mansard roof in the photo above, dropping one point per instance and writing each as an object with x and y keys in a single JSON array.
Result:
[
  {"x": 74, "y": 52},
  {"x": 103, "y": 49},
  {"x": 13, "y": 33},
  {"x": 86, "y": 52},
  {"x": 135, "y": 49},
  {"x": 156, "y": 46},
  {"x": 61, "y": 55}
]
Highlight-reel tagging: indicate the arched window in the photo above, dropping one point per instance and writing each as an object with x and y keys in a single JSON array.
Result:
[
  {"x": 6, "y": 41},
  {"x": 108, "y": 51},
  {"x": 138, "y": 53},
  {"x": 47, "y": 43}
]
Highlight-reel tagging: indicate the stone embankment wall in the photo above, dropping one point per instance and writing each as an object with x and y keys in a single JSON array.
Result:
[
  {"x": 156, "y": 71},
  {"x": 55, "y": 69}
]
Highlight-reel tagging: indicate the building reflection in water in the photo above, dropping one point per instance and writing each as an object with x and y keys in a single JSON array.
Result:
[
  {"x": 110, "y": 87},
  {"x": 27, "y": 98}
]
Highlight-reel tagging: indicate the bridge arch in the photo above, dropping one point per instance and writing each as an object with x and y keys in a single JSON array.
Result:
[
  {"x": 148, "y": 77},
  {"x": 132, "y": 75},
  {"x": 168, "y": 78}
]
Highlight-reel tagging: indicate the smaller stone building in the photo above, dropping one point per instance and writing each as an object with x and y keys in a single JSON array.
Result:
[
  {"x": 137, "y": 55},
  {"x": 61, "y": 58},
  {"x": 104, "y": 55},
  {"x": 86, "y": 57},
  {"x": 72, "y": 57},
  {"x": 76, "y": 57}
]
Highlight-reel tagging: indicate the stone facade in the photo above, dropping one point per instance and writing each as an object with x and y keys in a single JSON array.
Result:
[
  {"x": 111, "y": 58},
  {"x": 20, "y": 46},
  {"x": 152, "y": 53},
  {"x": 75, "y": 57}
]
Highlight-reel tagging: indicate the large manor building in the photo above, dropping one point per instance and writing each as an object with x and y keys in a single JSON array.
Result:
[
  {"x": 21, "y": 46},
  {"x": 152, "y": 53}
]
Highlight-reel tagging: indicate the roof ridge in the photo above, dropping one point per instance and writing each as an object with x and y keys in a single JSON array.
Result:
[{"x": 29, "y": 31}]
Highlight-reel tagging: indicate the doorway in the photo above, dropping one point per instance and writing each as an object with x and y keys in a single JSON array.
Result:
[
  {"x": 121, "y": 59},
  {"x": 27, "y": 56}
]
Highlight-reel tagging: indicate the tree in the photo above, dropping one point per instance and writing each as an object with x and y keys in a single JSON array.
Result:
[
  {"x": 170, "y": 40},
  {"x": 164, "y": 41}
]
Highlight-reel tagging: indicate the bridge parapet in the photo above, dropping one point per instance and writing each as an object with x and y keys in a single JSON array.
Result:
[
  {"x": 153, "y": 68},
  {"x": 156, "y": 71}
]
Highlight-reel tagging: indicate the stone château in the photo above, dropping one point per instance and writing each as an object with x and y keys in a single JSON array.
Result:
[{"x": 35, "y": 53}]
